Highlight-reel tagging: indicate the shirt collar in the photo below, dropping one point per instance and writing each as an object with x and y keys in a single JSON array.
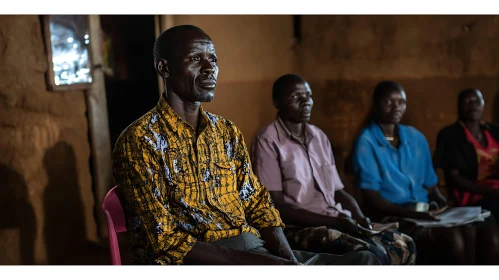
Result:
[
  {"x": 284, "y": 133},
  {"x": 381, "y": 139},
  {"x": 175, "y": 121}
]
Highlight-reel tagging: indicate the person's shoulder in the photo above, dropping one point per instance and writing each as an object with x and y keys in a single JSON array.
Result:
[
  {"x": 410, "y": 130},
  {"x": 316, "y": 130},
  {"x": 364, "y": 145},
  {"x": 223, "y": 126},
  {"x": 319, "y": 133},
  {"x": 493, "y": 130},
  {"x": 220, "y": 122},
  {"x": 137, "y": 130},
  {"x": 413, "y": 133},
  {"x": 366, "y": 135},
  {"x": 268, "y": 132},
  {"x": 492, "y": 126},
  {"x": 215, "y": 119},
  {"x": 450, "y": 130}
]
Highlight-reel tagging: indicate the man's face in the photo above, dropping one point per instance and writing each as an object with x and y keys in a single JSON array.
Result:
[
  {"x": 295, "y": 103},
  {"x": 193, "y": 69},
  {"x": 390, "y": 108},
  {"x": 471, "y": 106}
]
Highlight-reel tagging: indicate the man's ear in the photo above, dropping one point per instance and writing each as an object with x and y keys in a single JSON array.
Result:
[{"x": 161, "y": 66}]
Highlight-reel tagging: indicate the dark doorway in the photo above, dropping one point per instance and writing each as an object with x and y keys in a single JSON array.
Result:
[{"x": 131, "y": 81}]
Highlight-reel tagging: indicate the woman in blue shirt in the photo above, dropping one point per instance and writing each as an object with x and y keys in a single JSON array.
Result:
[{"x": 393, "y": 168}]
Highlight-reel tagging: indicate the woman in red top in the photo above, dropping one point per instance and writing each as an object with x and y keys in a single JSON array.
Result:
[
  {"x": 487, "y": 151},
  {"x": 468, "y": 152}
]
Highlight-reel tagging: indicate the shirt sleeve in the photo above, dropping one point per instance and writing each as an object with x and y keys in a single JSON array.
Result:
[
  {"x": 258, "y": 206},
  {"x": 365, "y": 166},
  {"x": 266, "y": 164},
  {"x": 138, "y": 174}
]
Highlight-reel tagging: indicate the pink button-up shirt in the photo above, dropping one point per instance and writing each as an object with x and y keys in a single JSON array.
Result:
[{"x": 305, "y": 173}]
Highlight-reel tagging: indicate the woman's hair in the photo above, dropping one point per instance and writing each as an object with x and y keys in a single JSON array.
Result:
[{"x": 385, "y": 87}]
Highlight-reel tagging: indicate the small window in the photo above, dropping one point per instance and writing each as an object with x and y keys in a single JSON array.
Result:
[{"x": 67, "y": 41}]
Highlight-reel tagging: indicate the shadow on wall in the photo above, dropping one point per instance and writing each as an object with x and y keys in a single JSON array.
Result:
[
  {"x": 14, "y": 201},
  {"x": 64, "y": 222}
]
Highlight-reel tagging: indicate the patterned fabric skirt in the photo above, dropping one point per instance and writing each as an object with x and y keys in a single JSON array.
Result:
[{"x": 390, "y": 246}]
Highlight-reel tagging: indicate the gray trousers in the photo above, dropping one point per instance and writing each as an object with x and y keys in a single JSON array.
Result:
[{"x": 250, "y": 242}]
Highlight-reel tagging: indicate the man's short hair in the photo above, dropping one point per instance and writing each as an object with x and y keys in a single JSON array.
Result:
[
  {"x": 385, "y": 87},
  {"x": 164, "y": 45},
  {"x": 281, "y": 83}
]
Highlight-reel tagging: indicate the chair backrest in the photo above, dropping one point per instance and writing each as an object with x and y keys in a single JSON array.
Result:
[{"x": 116, "y": 222}]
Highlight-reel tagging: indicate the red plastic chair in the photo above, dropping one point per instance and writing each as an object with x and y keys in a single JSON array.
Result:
[{"x": 116, "y": 223}]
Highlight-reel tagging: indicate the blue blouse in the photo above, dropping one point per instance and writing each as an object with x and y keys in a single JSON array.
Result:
[{"x": 400, "y": 175}]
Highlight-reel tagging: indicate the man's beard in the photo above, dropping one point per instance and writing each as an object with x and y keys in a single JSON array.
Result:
[{"x": 205, "y": 97}]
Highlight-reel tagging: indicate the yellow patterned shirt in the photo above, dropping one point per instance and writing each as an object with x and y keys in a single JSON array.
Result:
[{"x": 178, "y": 188}]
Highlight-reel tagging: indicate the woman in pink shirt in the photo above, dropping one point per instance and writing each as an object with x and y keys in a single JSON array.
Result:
[{"x": 295, "y": 162}]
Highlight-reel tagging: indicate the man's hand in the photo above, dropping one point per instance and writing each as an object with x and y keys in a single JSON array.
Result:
[
  {"x": 276, "y": 243},
  {"x": 438, "y": 211},
  {"x": 365, "y": 222},
  {"x": 436, "y": 196},
  {"x": 349, "y": 225},
  {"x": 441, "y": 201}
]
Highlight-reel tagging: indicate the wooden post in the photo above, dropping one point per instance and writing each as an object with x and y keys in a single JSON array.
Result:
[{"x": 99, "y": 127}]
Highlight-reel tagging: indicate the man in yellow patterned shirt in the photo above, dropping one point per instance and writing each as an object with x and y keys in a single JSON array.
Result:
[{"x": 189, "y": 191}]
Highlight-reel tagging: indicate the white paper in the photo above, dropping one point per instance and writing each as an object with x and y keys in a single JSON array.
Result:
[{"x": 456, "y": 216}]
